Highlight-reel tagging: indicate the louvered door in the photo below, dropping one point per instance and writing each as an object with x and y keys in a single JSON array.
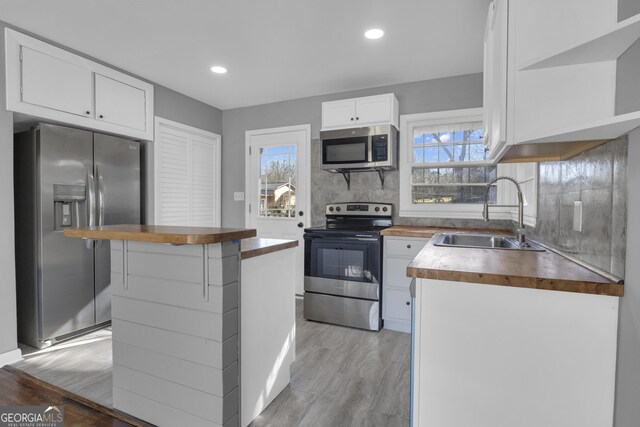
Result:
[{"x": 187, "y": 176}]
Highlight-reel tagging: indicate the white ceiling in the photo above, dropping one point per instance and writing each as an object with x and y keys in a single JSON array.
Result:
[{"x": 274, "y": 49}]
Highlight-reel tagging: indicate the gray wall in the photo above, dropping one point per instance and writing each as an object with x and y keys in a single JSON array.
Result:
[
  {"x": 627, "y": 87},
  {"x": 597, "y": 178},
  {"x": 167, "y": 103},
  {"x": 419, "y": 97},
  {"x": 627, "y": 409},
  {"x": 8, "y": 325},
  {"x": 627, "y": 9}
]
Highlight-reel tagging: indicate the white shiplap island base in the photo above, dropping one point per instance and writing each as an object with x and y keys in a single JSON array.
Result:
[{"x": 176, "y": 323}]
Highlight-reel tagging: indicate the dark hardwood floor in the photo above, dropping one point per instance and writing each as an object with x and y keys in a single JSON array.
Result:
[{"x": 17, "y": 388}]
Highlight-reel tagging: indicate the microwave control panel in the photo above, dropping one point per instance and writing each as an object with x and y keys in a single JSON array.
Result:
[{"x": 379, "y": 148}]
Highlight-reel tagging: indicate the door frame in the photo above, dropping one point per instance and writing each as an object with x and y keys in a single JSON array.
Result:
[{"x": 247, "y": 164}]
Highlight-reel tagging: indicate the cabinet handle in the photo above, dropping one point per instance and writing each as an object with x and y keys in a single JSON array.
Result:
[
  {"x": 88, "y": 112},
  {"x": 408, "y": 246},
  {"x": 408, "y": 302},
  {"x": 357, "y": 118},
  {"x": 351, "y": 118},
  {"x": 101, "y": 116}
]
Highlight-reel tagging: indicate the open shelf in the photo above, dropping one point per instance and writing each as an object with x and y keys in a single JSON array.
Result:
[
  {"x": 607, "y": 46},
  {"x": 605, "y": 129}
]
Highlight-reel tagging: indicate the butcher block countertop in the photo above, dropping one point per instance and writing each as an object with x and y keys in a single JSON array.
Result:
[
  {"x": 162, "y": 234},
  {"x": 257, "y": 246},
  {"x": 428, "y": 232},
  {"x": 524, "y": 269}
]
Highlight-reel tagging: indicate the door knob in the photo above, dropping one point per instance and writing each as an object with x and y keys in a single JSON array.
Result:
[
  {"x": 300, "y": 213},
  {"x": 300, "y": 225}
]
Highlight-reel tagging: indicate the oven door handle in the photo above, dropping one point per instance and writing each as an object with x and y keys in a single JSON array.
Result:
[{"x": 343, "y": 239}]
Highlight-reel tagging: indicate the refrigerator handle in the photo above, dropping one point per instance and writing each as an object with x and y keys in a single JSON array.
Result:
[
  {"x": 91, "y": 202},
  {"x": 100, "y": 199}
]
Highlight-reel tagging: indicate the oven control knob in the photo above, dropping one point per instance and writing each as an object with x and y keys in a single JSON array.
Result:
[
  {"x": 330, "y": 208},
  {"x": 338, "y": 209},
  {"x": 385, "y": 209},
  {"x": 377, "y": 209}
]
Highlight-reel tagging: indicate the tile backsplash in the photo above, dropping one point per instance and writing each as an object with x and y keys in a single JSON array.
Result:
[{"x": 597, "y": 178}]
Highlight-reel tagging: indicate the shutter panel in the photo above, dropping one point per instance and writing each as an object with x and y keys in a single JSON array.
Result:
[
  {"x": 186, "y": 190},
  {"x": 202, "y": 181},
  {"x": 172, "y": 177}
]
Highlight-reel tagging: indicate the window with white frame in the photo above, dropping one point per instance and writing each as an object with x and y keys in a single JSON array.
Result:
[{"x": 444, "y": 169}]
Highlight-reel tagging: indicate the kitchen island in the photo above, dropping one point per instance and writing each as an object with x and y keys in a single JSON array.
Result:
[
  {"x": 511, "y": 337},
  {"x": 176, "y": 321}
]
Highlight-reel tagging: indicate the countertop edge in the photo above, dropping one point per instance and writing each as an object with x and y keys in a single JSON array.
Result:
[
  {"x": 157, "y": 237},
  {"x": 417, "y": 231},
  {"x": 561, "y": 285},
  {"x": 267, "y": 249}
]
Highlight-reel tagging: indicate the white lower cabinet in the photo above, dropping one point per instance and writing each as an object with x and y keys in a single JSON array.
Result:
[
  {"x": 396, "y": 300},
  {"x": 501, "y": 356}
]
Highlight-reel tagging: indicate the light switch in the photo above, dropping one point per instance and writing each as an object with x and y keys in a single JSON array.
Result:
[
  {"x": 238, "y": 196},
  {"x": 577, "y": 216}
]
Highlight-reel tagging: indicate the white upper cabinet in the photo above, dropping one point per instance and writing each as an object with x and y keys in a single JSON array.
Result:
[
  {"x": 551, "y": 77},
  {"x": 47, "y": 82},
  {"x": 120, "y": 103},
  {"x": 56, "y": 83},
  {"x": 358, "y": 112}
]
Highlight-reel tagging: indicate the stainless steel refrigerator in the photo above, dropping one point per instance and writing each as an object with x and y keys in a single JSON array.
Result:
[{"x": 63, "y": 178}]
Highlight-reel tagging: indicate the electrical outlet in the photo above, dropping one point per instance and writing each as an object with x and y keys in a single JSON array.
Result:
[
  {"x": 577, "y": 216},
  {"x": 238, "y": 196}
]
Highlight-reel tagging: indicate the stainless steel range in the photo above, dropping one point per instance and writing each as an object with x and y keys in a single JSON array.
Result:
[{"x": 343, "y": 265}]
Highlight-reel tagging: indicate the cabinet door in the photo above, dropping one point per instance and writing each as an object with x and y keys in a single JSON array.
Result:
[
  {"x": 120, "y": 103},
  {"x": 338, "y": 114},
  {"x": 497, "y": 78},
  {"x": 374, "y": 109},
  {"x": 396, "y": 273},
  {"x": 397, "y": 304},
  {"x": 54, "y": 83}
]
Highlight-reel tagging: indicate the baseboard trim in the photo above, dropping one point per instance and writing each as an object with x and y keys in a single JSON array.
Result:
[
  {"x": 10, "y": 357},
  {"x": 397, "y": 325}
]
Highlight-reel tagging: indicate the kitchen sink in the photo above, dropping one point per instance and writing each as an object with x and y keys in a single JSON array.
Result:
[{"x": 484, "y": 241}]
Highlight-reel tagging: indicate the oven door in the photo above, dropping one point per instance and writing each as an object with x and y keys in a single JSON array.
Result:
[{"x": 343, "y": 266}]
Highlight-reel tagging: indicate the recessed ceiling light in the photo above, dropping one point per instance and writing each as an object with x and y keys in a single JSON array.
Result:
[
  {"x": 218, "y": 69},
  {"x": 374, "y": 33}
]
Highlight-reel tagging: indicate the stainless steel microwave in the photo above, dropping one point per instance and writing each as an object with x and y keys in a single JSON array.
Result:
[{"x": 373, "y": 147}]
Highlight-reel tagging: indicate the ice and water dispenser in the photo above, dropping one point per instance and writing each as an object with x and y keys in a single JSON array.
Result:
[{"x": 66, "y": 200}]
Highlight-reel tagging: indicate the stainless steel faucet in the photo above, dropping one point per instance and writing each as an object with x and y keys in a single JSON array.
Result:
[{"x": 520, "y": 230}]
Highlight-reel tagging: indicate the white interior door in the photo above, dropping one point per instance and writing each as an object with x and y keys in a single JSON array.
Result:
[{"x": 277, "y": 187}]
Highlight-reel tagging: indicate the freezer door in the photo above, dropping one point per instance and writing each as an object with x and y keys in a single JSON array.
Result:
[
  {"x": 117, "y": 175},
  {"x": 66, "y": 285}
]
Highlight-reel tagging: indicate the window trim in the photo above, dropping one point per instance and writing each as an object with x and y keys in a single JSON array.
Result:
[{"x": 408, "y": 122}]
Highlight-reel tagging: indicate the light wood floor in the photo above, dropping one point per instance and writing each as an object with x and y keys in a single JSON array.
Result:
[
  {"x": 341, "y": 377},
  {"x": 344, "y": 377},
  {"x": 82, "y": 365}
]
